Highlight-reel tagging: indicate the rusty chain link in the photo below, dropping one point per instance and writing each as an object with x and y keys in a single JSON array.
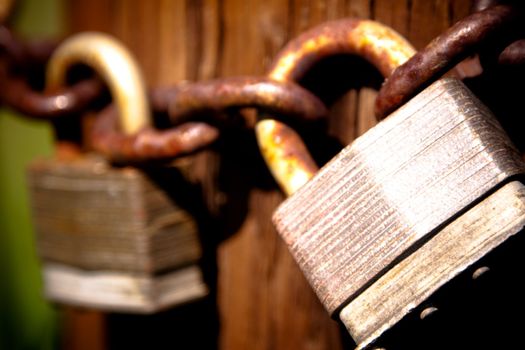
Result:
[
  {"x": 282, "y": 98},
  {"x": 17, "y": 92},
  {"x": 276, "y": 94},
  {"x": 181, "y": 102},
  {"x": 149, "y": 143},
  {"x": 284, "y": 151},
  {"x": 441, "y": 54},
  {"x": 184, "y": 101},
  {"x": 513, "y": 54}
]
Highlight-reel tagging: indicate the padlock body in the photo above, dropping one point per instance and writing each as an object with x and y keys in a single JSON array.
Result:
[
  {"x": 111, "y": 238},
  {"x": 394, "y": 188},
  {"x": 443, "y": 274},
  {"x": 93, "y": 216}
]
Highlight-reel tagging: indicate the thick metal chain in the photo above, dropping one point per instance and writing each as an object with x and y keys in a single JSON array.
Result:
[
  {"x": 497, "y": 25},
  {"x": 181, "y": 102},
  {"x": 276, "y": 94}
]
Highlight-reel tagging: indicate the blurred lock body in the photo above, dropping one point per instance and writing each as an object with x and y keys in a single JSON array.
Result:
[
  {"x": 405, "y": 208},
  {"x": 111, "y": 238}
]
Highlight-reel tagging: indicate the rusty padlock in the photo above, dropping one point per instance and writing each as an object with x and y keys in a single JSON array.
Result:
[
  {"x": 110, "y": 238},
  {"x": 406, "y": 207}
]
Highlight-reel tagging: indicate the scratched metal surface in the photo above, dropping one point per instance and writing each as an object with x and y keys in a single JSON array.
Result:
[
  {"x": 392, "y": 187},
  {"x": 94, "y": 217},
  {"x": 454, "y": 249}
]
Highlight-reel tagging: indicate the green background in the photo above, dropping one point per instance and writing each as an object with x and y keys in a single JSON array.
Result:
[{"x": 27, "y": 321}]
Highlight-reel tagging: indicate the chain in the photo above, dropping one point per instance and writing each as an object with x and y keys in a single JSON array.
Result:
[
  {"x": 185, "y": 102},
  {"x": 182, "y": 102},
  {"x": 277, "y": 94},
  {"x": 496, "y": 23}
]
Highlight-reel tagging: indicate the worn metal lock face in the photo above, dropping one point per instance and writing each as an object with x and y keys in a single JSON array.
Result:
[
  {"x": 406, "y": 194},
  {"x": 110, "y": 238}
]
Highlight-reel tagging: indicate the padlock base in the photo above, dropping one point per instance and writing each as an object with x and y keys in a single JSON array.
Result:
[
  {"x": 455, "y": 248},
  {"x": 120, "y": 291},
  {"x": 393, "y": 188}
]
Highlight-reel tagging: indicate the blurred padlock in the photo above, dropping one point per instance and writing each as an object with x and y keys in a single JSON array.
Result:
[
  {"x": 110, "y": 238},
  {"x": 401, "y": 211}
]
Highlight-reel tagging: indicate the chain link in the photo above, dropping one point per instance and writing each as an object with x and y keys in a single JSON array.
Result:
[
  {"x": 494, "y": 26},
  {"x": 277, "y": 94},
  {"x": 182, "y": 102}
]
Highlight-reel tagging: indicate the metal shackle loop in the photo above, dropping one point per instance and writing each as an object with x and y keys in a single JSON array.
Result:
[
  {"x": 282, "y": 148},
  {"x": 115, "y": 64}
]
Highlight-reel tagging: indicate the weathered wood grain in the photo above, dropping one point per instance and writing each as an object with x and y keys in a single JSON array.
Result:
[
  {"x": 394, "y": 186},
  {"x": 456, "y": 247}
]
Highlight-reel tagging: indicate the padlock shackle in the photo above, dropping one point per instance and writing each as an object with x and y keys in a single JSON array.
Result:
[
  {"x": 380, "y": 45},
  {"x": 282, "y": 148},
  {"x": 115, "y": 64}
]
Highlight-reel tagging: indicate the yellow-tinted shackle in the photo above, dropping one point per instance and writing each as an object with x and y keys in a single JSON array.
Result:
[
  {"x": 111, "y": 60},
  {"x": 283, "y": 150}
]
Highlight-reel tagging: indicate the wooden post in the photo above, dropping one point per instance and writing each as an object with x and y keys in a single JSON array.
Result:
[{"x": 260, "y": 299}]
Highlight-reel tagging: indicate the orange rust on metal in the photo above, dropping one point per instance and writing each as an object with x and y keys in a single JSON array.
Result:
[
  {"x": 148, "y": 144},
  {"x": 380, "y": 45},
  {"x": 187, "y": 99},
  {"x": 17, "y": 94},
  {"x": 15, "y": 91},
  {"x": 285, "y": 154},
  {"x": 445, "y": 51},
  {"x": 290, "y": 162},
  {"x": 217, "y": 95}
]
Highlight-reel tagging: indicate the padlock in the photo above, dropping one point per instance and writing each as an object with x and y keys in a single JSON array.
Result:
[
  {"x": 111, "y": 238},
  {"x": 402, "y": 210}
]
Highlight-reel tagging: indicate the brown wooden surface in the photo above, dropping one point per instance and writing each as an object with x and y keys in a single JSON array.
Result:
[
  {"x": 83, "y": 330},
  {"x": 262, "y": 301}
]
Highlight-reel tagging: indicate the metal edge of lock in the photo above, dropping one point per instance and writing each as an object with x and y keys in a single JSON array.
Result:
[
  {"x": 122, "y": 292},
  {"x": 454, "y": 249},
  {"x": 287, "y": 216}
]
